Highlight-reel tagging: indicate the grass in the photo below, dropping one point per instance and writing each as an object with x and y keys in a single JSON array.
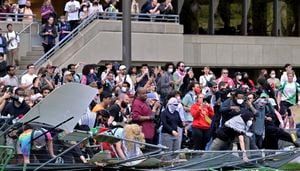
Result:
[{"x": 291, "y": 166}]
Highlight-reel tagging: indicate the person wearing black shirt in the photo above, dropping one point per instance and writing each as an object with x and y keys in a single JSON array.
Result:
[
  {"x": 17, "y": 107},
  {"x": 117, "y": 110}
]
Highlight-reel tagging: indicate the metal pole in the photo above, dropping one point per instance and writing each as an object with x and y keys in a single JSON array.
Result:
[
  {"x": 245, "y": 18},
  {"x": 211, "y": 19},
  {"x": 276, "y": 18},
  {"x": 126, "y": 32}
]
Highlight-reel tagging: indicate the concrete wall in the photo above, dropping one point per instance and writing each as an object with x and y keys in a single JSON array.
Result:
[
  {"x": 236, "y": 51},
  {"x": 102, "y": 41}
]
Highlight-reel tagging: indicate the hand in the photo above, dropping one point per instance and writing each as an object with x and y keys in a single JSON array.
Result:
[
  {"x": 269, "y": 119},
  {"x": 156, "y": 105},
  {"x": 175, "y": 133},
  {"x": 152, "y": 117},
  {"x": 245, "y": 158},
  {"x": 6, "y": 95},
  {"x": 235, "y": 108}
]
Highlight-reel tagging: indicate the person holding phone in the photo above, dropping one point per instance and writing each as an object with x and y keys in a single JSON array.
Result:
[{"x": 48, "y": 33}]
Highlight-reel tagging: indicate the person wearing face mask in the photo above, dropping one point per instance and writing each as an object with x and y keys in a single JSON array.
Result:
[
  {"x": 273, "y": 81},
  {"x": 143, "y": 115},
  {"x": 202, "y": 113},
  {"x": 170, "y": 120},
  {"x": 165, "y": 82},
  {"x": 234, "y": 106},
  {"x": 237, "y": 126},
  {"x": 238, "y": 80},
  {"x": 84, "y": 12},
  {"x": 117, "y": 111},
  {"x": 88, "y": 75}
]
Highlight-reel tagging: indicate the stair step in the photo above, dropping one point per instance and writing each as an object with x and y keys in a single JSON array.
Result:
[
  {"x": 37, "y": 48},
  {"x": 25, "y": 63},
  {"x": 35, "y": 53},
  {"x": 35, "y": 58}
]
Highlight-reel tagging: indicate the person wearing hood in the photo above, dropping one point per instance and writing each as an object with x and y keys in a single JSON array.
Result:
[
  {"x": 170, "y": 120},
  {"x": 237, "y": 126}
]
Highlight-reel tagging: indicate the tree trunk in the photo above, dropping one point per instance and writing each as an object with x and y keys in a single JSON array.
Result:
[
  {"x": 259, "y": 17},
  {"x": 189, "y": 16}
]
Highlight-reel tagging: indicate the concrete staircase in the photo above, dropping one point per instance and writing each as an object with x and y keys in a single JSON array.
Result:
[{"x": 30, "y": 57}]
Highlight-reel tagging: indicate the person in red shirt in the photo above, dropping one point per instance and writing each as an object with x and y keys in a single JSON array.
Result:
[
  {"x": 143, "y": 115},
  {"x": 202, "y": 113},
  {"x": 225, "y": 78}
]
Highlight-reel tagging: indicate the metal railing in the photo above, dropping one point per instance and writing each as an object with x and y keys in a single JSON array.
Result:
[
  {"x": 103, "y": 16},
  {"x": 17, "y": 17}
]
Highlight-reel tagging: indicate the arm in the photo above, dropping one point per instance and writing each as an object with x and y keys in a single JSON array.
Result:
[
  {"x": 120, "y": 150},
  {"x": 137, "y": 115},
  {"x": 242, "y": 145},
  {"x": 138, "y": 79},
  {"x": 165, "y": 124},
  {"x": 195, "y": 111},
  {"x": 50, "y": 148},
  {"x": 3, "y": 101},
  {"x": 110, "y": 120}
]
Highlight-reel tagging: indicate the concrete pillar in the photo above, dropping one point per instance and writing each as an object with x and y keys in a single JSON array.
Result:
[
  {"x": 245, "y": 17},
  {"x": 276, "y": 18},
  {"x": 126, "y": 33},
  {"x": 211, "y": 19}
]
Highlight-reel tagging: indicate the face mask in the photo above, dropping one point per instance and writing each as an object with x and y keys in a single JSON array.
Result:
[
  {"x": 273, "y": 75},
  {"x": 172, "y": 108},
  {"x": 240, "y": 101},
  {"x": 124, "y": 104},
  {"x": 170, "y": 70},
  {"x": 239, "y": 77},
  {"x": 197, "y": 90},
  {"x": 249, "y": 123},
  {"x": 85, "y": 9},
  {"x": 92, "y": 71},
  {"x": 124, "y": 89}
]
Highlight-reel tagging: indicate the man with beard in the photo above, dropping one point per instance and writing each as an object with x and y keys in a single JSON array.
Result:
[
  {"x": 10, "y": 79},
  {"x": 17, "y": 107},
  {"x": 117, "y": 110},
  {"x": 143, "y": 115}
]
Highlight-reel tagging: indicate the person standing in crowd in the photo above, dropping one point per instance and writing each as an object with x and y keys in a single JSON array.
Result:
[
  {"x": 72, "y": 8},
  {"x": 48, "y": 33},
  {"x": 96, "y": 7},
  {"x": 88, "y": 75},
  {"x": 187, "y": 79},
  {"x": 170, "y": 123},
  {"x": 5, "y": 8},
  {"x": 123, "y": 77},
  {"x": 27, "y": 79},
  {"x": 10, "y": 79},
  {"x": 133, "y": 75},
  {"x": 143, "y": 115},
  {"x": 105, "y": 101},
  {"x": 3, "y": 43},
  {"x": 117, "y": 111},
  {"x": 13, "y": 41},
  {"x": 288, "y": 96},
  {"x": 166, "y": 7},
  {"x": 84, "y": 12},
  {"x": 47, "y": 10},
  {"x": 135, "y": 8},
  {"x": 17, "y": 107},
  {"x": 72, "y": 69},
  {"x": 284, "y": 77},
  {"x": 179, "y": 75},
  {"x": 3, "y": 66},
  {"x": 165, "y": 83},
  {"x": 64, "y": 28},
  {"x": 68, "y": 77},
  {"x": 190, "y": 98},
  {"x": 27, "y": 12},
  {"x": 206, "y": 77},
  {"x": 21, "y": 4},
  {"x": 202, "y": 114},
  {"x": 273, "y": 81},
  {"x": 225, "y": 78},
  {"x": 143, "y": 77},
  {"x": 238, "y": 83}
]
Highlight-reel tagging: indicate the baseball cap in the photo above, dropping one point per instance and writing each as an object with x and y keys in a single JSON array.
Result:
[
  {"x": 67, "y": 73},
  {"x": 122, "y": 67}
]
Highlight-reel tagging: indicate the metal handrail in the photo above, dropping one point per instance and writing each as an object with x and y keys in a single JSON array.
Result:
[
  {"x": 108, "y": 16},
  {"x": 16, "y": 16},
  {"x": 26, "y": 27}
]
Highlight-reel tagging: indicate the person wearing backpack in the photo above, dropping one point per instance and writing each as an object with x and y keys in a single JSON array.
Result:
[
  {"x": 13, "y": 41},
  {"x": 288, "y": 96}
]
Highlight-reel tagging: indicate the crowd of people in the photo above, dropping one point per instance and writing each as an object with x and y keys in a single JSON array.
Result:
[{"x": 161, "y": 105}]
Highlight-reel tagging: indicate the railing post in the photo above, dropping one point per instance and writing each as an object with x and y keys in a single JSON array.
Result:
[{"x": 126, "y": 32}]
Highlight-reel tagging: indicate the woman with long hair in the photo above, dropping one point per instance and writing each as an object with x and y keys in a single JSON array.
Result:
[{"x": 47, "y": 10}]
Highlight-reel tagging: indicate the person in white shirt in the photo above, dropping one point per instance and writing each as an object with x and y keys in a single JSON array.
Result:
[
  {"x": 72, "y": 12},
  {"x": 206, "y": 77},
  {"x": 123, "y": 77},
  {"x": 10, "y": 79},
  {"x": 27, "y": 79},
  {"x": 284, "y": 77},
  {"x": 96, "y": 7},
  {"x": 13, "y": 41}
]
